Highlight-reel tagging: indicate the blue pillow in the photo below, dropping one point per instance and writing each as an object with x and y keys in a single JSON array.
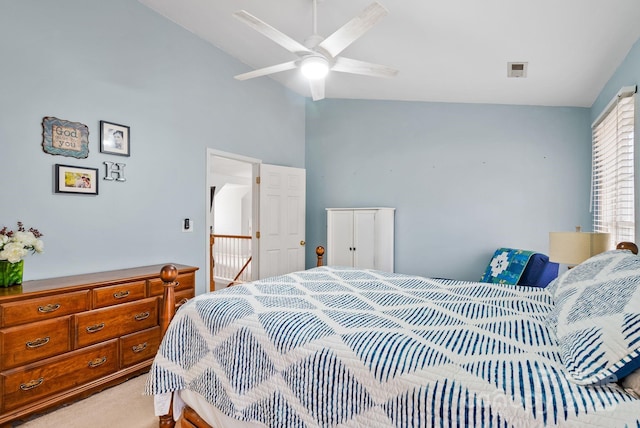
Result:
[
  {"x": 533, "y": 269},
  {"x": 597, "y": 317},
  {"x": 539, "y": 271}
]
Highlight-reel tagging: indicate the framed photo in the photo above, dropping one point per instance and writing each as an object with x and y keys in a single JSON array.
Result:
[
  {"x": 61, "y": 137},
  {"x": 115, "y": 139},
  {"x": 75, "y": 179}
]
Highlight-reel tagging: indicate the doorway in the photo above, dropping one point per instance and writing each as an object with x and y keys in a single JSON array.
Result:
[
  {"x": 259, "y": 208},
  {"x": 229, "y": 215}
]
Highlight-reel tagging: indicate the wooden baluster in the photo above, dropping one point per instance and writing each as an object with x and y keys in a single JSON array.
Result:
[{"x": 212, "y": 280}]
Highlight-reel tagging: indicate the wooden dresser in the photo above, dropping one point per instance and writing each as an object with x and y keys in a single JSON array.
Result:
[{"x": 64, "y": 338}]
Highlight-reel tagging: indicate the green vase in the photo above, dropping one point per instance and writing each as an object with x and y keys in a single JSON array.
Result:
[{"x": 10, "y": 273}]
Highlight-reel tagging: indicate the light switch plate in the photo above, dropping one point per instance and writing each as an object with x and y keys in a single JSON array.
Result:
[{"x": 187, "y": 225}]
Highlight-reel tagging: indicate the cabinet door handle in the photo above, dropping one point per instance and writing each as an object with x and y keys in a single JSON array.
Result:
[
  {"x": 95, "y": 328},
  {"x": 120, "y": 294},
  {"x": 31, "y": 384},
  {"x": 139, "y": 348},
  {"x": 41, "y": 341},
  {"x": 48, "y": 308},
  {"x": 142, "y": 316},
  {"x": 97, "y": 362}
]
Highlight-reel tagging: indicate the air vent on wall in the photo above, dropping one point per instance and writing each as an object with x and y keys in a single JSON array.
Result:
[{"x": 517, "y": 69}]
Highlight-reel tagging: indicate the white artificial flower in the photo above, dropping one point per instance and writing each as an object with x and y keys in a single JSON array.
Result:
[
  {"x": 27, "y": 239},
  {"x": 15, "y": 245},
  {"x": 38, "y": 246},
  {"x": 13, "y": 252}
]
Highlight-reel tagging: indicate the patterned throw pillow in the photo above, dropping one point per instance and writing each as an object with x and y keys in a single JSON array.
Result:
[
  {"x": 597, "y": 317},
  {"x": 506, "y": 266}
]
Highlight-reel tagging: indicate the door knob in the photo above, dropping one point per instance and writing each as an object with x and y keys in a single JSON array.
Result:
[{"x": 302, "y": 242}]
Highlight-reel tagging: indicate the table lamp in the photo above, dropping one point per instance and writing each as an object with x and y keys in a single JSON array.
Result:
[{"x": 572, "y": 248}]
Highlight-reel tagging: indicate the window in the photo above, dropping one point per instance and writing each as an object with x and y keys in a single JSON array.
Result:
[{"x": 612, "y": 177}]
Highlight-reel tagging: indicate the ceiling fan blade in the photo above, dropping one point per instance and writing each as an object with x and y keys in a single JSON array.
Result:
[
  {"x": 317, "y": 89},
  {"x": 267, "y": 70},
  {"x": 267, "y": 30},
  {"x": 354, "y": 66},
  {"x": 352, "y": 30}
]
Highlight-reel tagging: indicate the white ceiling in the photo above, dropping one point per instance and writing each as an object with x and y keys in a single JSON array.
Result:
[{"x": 445, "y": 51}]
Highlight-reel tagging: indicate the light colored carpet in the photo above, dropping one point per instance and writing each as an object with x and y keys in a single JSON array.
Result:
[{"x": 123, "y": 406}]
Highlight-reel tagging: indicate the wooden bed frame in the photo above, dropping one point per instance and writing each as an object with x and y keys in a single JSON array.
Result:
[{"x": 168, "y": 274}]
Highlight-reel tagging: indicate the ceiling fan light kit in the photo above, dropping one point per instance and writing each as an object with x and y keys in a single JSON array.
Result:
[
  {"x": 314, "y": 67},
  {"x": 320, "y": 55}
]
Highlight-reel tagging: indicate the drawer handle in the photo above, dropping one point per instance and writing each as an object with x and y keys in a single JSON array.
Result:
[
  {"x": 120, "y": 294},
  {"x": 139, "y": 348},
  {"x": 142, "y": 316},
  {"x": 31, "y": 384},
  {"x": 183, "y": 301},
  {"x": 97, "y": 362},
  {"x": 48, "y": 308},
  {"x": 95, "y": 328},
  {"x": 41, "y": 341}
]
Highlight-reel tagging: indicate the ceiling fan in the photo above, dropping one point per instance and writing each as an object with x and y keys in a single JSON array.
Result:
[{"x": 318, "y": 54}]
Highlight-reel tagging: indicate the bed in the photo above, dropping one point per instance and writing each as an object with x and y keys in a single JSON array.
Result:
[{"x": 336, "y": 346}]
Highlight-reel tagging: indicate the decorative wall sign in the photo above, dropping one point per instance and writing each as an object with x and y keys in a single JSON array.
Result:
[
  {"x": 61, "y": 137},
  {"x": 114, "y": 139},
  {"x": 73, "y": 179},
  {"x": 116, "y": 170}
]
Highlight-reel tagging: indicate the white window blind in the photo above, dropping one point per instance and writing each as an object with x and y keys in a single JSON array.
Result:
[{"x": 612, "y": 176}]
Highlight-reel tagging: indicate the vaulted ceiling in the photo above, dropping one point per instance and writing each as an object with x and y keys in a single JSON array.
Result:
[{"x": 445, "y": 51}]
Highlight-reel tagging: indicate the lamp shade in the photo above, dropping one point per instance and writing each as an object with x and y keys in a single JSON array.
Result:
[{"x": 572, "y": 248}]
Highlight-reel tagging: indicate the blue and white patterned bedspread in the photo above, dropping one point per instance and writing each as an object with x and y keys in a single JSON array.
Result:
[{"x": 343, "y": 347}]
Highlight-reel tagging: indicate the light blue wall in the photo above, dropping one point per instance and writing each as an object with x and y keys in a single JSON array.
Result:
[
  {"x": 465, "y": 178},
  {"x": 627, "y": 74},
  {"x": 116, "y": 60}
]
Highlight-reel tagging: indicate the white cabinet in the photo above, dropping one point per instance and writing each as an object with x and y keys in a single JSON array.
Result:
[{"x": 360, "y": 237}]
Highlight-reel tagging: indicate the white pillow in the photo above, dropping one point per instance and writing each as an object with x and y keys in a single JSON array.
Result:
[{"x": 597, "y": 317}]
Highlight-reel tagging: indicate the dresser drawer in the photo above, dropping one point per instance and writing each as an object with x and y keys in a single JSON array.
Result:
[
  {"x": 107, "y": 323},
  {"x": 183, "y": 296},
  {"x": 42, "y": 308},
  {"x": 33, "y": 342},
  {"x": 24, "y": 385},
  {"x": 137, "y": 347},
  {"x": 185, "y": 281},
  {"x": 121, "y": 293}
]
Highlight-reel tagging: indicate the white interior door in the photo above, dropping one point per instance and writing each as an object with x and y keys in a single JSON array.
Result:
[{"x": 281, "y": 219}]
